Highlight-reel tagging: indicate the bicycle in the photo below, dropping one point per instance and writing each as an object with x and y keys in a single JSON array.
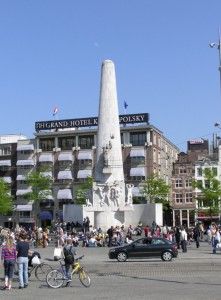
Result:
[
  {"x": 40, "y": 271},
  {"x": 56, "y": 278}
]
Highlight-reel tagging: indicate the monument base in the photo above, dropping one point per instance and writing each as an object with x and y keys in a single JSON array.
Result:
[{"x": 144, "y": 213}]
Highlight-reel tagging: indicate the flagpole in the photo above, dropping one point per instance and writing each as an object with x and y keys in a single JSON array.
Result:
[{"x": 218, "y": 46}]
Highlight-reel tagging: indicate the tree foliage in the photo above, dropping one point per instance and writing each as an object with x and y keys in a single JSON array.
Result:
[
  {"x": 210, "y": 193},
  {"x": 5, "y": 198},
  {"x": 156, "y": 190},
  {"x": 40, "y": 184},
  {"x": 84, "y": 191}
]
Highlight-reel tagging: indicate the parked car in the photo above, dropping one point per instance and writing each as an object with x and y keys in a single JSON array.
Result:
[{"x": 144, "y": 248}]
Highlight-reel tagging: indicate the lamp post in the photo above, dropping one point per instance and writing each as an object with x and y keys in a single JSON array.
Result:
[{"x": 218, "y": 47}]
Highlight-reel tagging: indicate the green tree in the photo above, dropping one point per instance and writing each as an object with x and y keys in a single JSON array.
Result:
[
  {"x": 40, "y": 184},
  {"x": 156, "y": 190},
  {"x": 5, "y": 198},
  {"x": 84, "y": 191},
  {"x": 210, "y": 192}
]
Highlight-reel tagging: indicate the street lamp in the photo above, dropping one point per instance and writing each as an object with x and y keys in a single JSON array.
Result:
[{"x": 218, "y": 47}]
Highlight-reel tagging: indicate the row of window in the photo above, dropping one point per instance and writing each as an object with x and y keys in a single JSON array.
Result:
[
  {"x": 87, "y": 141},
  {"x": 180, "y": 183},
  {"x": 181, "y": 198},
  {"x": 200, "y": 171}
]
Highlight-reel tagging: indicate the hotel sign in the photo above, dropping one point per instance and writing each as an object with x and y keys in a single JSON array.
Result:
[{"x": 88, "y": 122}]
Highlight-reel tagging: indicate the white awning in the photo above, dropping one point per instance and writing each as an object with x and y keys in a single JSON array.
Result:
[
  {"x": 7, "y": 179},
  {"x": 25, "y": 162},
  {"x": 84, "y": 173},
  {"x": 65, "y": 156},
  {"x": 29, "y": 147},
  {"x": 64, "y": 194},
  {"x": 24, "y": 207},
  {"x": 46, "y": 157},
  {"x": 87, "y": 154},
  {"x": 65, "y": 175},
  {"x": 23, "y": 192},
  {"x": 46, "y": 174},
  {"x": 136, "y": 191},
  {"x": 137, "y": 153},
  {"x": 139, "y": 171},
  {"x": 6, "y": 163},
  {"x": 20, "y": 177}
]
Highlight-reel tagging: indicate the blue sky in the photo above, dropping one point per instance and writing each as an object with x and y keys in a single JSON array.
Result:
[{"x": 52, "y": 50}]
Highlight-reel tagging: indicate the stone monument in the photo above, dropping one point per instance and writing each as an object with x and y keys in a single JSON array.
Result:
[
  {"x": 109, "y": 187},
  {"x": 111, "y": 202}
]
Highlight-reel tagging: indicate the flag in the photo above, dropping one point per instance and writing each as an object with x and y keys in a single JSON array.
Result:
[
  {"x": 125, "y": 104},
  {"x": 55, "y": 111}
]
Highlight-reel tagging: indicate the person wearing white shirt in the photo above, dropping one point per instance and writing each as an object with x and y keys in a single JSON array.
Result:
[{"x": 183, "y": 239}]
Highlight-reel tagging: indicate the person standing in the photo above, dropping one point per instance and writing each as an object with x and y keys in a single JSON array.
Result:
[
  {"x": 22, "y": 259},
  {"x": 69, "y": 253},
  {"x": 196, "y": 235},
  {"x": 177, "y": 237},
  {"x": 183, "y": 239},
  {"x": 110, "y": 233},
  {"x": 9, "y": 257}
]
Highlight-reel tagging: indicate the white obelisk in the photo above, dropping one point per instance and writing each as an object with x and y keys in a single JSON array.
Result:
[
  {"x": 109, "y": 186},
  {"x": 108, "y": 169}
]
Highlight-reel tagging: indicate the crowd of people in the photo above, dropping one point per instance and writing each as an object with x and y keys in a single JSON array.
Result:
[{"x": 15, "y": 244}]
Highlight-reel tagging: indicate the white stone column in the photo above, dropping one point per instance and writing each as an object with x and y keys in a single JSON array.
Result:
[{"x": 108, "y": 134}]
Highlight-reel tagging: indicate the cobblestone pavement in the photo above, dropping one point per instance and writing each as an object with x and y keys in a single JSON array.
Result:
[{"x": 193, "y": 275}]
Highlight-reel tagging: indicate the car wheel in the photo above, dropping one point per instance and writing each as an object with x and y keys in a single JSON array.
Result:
[
  {"x": 121, "y": 256},
  {"x": 167, "y": 256}
]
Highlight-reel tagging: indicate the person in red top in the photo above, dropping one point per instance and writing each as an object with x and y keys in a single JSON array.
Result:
[
  {"x": 147, "y": 231},
  {"x": 9, "y": 257}
]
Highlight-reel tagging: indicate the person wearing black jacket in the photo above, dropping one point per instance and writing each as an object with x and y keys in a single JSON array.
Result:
[
  {"x": 196, "y": 235},
  {"x": 110, "y": 233}
]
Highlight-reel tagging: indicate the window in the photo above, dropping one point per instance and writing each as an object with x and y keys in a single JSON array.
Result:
[
  {"x": 200, "y": 183},
  {"x": 65, "y": 164},
  {"x": 182, "y": 171},
  {"x": 188, "y": 183},
  {"x": 179, "y": 183},
  {"x": 24, "y": 214},
  {"x": 6, "y": 150},
  {"x": 86, "y": 141},
  {"x": 84, "y": 163},
  {"x": 66, "y": 143},
  {"x": 214, "y": 170},
  {"x": 207, "y": 184},
  {"x": 199, "y": 172},
  {"x": 25, "y": 167},
  {"x": 122, "y": 138},
  {"x": 179, "y": 198},
  {"x": 47, "y": 144},
  {"x": 157, "y": 242},
  {"x": 189, "y": 197},
  {"x": 137, "y": 178},
  {"x": 138, "y": 138},
  {"x": 138, "y": 160}
]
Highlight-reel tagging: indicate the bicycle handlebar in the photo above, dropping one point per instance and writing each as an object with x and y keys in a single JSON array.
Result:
[{"x": 80, "y": 257}]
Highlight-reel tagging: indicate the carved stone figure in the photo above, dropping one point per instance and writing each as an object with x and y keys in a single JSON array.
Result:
[
  {"x": 129, "y": 199},
  {"x": 101, "y": 194},
  {"x": 88, "y": 203}
]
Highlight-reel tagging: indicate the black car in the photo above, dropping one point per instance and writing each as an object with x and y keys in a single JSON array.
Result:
[{"x": 144, "y": 248}]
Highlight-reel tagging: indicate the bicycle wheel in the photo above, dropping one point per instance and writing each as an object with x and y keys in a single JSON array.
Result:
[
  {"x": 55, "y": 279},
  {"x": 41, "y": 271},
  {"x": 84, "y": 278}
]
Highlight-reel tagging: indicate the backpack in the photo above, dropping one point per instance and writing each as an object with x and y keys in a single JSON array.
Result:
[{"x": 68, "y": 255}]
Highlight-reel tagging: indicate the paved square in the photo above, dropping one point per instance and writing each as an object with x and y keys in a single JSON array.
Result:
[{"x": 193, "y": 275}]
